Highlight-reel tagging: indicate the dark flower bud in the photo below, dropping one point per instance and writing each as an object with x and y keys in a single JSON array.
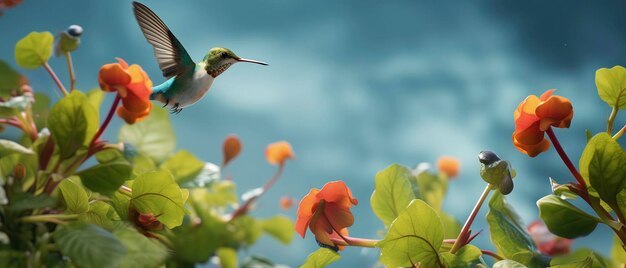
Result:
[
  {"x": 75, "y": 30},
  {"x": 488, "y": 157}
]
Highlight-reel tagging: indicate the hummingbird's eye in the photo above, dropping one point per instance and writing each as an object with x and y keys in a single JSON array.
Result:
[{"x": 224, "y": 55}]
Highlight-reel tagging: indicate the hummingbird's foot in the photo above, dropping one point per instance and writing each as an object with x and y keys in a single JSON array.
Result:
[
  {"x": 176, "y": 109},
  {"x": 167, "y": 101}
]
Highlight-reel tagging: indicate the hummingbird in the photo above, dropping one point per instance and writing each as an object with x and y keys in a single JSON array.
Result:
[{"x": 187, "y": 81}]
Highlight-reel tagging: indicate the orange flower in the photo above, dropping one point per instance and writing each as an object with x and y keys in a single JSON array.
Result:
[
  {"x": 548, "y": 243},
  {"x": 277, "y": 153},
  {"x": 133, "y": 86},
  {"x": 326, "y": 213},
  {"x": 449, "y": 165},
  {"x": 534, "y": 116},
  {"x": 231, "y": 148},
  {"x": 286, "y": 202}
]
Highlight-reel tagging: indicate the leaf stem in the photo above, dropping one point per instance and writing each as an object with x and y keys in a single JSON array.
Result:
[
  {"x": 55, "y": 78},
  {"x": 609, "y": 122},
  {"x": 619, "y": 133},
  {"x": 464, "y": 235},
  {"x": 70, "y": 67},
  {"x": 492, "y": 254},
  {"x": 55, "y": 218}
]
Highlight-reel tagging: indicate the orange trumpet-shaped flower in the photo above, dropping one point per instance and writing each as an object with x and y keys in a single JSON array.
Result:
[
  {"x": 277, "y": 153},
  {"x": 326, "y": 213},
  {"x": 133, "y": 86},
  {"x": 449, "y": 165},
  {"x": 534, "y": 116}
]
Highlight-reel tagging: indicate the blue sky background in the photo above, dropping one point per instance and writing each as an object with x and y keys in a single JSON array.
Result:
[{"x": 358, "y": 85}]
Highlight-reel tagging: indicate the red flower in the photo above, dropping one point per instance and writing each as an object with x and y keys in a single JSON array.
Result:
[
  {"x": 534, "y": 116},
  {"x": 326, "y": 213},
  {"x": 132, "y": 84},
  {"x": 548, "y": 243}
]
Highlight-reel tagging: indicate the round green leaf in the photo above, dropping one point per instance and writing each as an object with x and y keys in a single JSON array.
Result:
[
  {"x": 414, "y": 237},
  {"x": 280, "y": 227},
  {"x": 184, "y": 166},
  {"x": 611, "y": 85},
  {"x": 228, "y": 257},
  {"x": 75, "y": 197},
  {"x": 72, "y": 122},
  {"x": 467, "y": 256},
  {"x": 432, "y": 188},
  {"x": 392, "y": 193},
  {"x": 106, "y": 178},
  {"x": 508, "y": 232},
  {"x": 9, "y": 79},
  {"x": 34, "y": 50},
  {"x": 88, "y": 245},
  {"x": 564, "y": 219},
  {"x": 153, "y": 136},
  {"x": 602, "y": 165},
  {"x": 320, "y": 258},
  {"x": 157, "y": 193},
  {"x": 142, "y": 251},
  {"x": 508, "y": 264}
]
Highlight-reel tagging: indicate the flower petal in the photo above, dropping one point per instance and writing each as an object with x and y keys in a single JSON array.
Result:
[
  {"x": 555, "y": 111},
  {"x": 305, "y": 211},
  {"x": 277, "y": 153},
  {"x": 112, "y": 75},
  {"x": 337, "y": 192}
]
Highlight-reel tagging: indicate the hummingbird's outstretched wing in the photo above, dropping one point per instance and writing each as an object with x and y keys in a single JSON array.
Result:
[{"x": 170, "y": 53}]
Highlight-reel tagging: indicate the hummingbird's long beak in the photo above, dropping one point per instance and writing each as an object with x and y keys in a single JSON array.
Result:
[{"x": 251, "y": 61}]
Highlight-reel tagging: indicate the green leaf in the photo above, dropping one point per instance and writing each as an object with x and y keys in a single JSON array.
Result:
[
  {"x": 602, "y": 165},
  {"x": 34, "y": 50},
  {"x": 24, "y": 201},
  {"x": 280, "y": 227},
  {"x": 611, "y": 85},
  {"x": 392, "y": 193},
  {"x": 102, "y": 214},
  {"x": 467, "y": 256},
  {"x": 121, "y": 203},
  {"x": 153, "y": 136},
  {"x": 617, "y": 252},
  {"x": 190, "y": 241},
  {"x": 9, "y": 79},
  {"x": 583, "y": 258},
  {"x": 228, "y": 257},
  {"x": 142, "y": 251},
  {"x": 508, "y": 264},
  {"x": 432, "y": 188},
  {"x": 72, "y": 122},
  {"x": 106, "y": 178},
  {"x": 414, "y": 237},
  {"x": 75, "y": 197},
  {"x": 8, "y": 147},
  {"x": 320, "y": 258},
  {"x": 564, "y": 219},
  {"x": 508, "y": 233},
  {"x": 88, "y": 245},
  {"x": 184, "y": 166},
  {"x": 451, "y": 226},
  {"x": 142, "y": 164},
  {"x": 95, "y": 97},
  {"x": 255, "y": 261},
  {"x": 245, "y": 230},
  {"x": 157, "y": 193}
]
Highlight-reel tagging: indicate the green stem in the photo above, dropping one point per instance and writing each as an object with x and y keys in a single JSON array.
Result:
[
  {"x": 619, "y": 133},
  {"x": 70, "y": 66},
  {"x": 609, "y": 122},
  {"x": 55, "y": 78},
  {"x": 56, "y": 218},
  {"x": 461, "y": 240}
]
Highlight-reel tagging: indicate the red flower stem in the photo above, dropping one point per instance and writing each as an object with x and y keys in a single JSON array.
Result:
[
  {"x": 55, "y": 78},
  {"x": 461, "y": 240},
  {"x": 11, "y": 122},
  {"x": 492, "y": 254},
  {"x": 568, "y": 162},
  {"x": 246, "y": 206},
  {"x": 107, "y": 120}
]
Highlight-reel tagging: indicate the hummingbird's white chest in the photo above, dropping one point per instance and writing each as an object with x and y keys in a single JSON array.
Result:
[{"x": 200, "y": 84}]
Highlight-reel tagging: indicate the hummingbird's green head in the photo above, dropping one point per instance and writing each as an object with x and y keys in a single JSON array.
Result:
[{"x": 219, "y": 59}]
